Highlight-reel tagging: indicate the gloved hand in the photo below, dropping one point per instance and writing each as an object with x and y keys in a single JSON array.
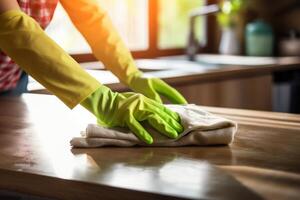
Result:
[
  {"x": 154, "y": 87},
  {"x": 114, "y": 109}
]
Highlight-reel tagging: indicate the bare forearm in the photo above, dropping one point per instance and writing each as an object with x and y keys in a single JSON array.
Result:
[{"x": 6, "y": 5}]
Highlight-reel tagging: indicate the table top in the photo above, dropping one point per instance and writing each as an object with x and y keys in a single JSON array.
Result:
[{"x": 36, "y": 158}]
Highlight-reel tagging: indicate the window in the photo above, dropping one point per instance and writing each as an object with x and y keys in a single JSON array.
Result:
[
  {"x": 173, "y": 22},
  {"x": 129, "y": 16},
  {"x": 149, "y": 27}
]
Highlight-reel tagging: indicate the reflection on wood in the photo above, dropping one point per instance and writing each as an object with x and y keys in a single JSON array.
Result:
[{"x": 36, "y": 158}]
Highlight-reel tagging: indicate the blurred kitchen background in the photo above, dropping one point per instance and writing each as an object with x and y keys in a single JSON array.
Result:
[{"x": 228, "y": 53}]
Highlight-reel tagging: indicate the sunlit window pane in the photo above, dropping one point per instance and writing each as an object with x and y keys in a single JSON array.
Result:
[
  {"x": 129, "y": 16},
  {"x": 173, "y": 22}
]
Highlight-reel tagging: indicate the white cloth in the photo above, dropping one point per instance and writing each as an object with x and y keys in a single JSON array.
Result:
[{"x": 200, "y": 128}]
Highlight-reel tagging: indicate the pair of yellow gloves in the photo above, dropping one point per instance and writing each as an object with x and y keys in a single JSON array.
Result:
[{"x": 25, "y": 42}]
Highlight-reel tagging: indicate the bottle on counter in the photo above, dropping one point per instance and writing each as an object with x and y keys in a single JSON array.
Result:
[{"x": 259, "y": 39}]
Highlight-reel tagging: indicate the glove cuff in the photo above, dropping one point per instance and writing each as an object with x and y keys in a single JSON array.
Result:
[
  {"x": 132, "y": 77},
  {"x": 98, "y": 102}
]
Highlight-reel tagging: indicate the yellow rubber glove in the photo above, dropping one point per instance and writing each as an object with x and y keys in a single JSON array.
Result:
[
  {"x": 108, "y": 47},
  {"x": 154, "y": 87},
  {"x": 25, "y": 42},
  {"x": 96, "y": 27},
  {"x": 129, "y": 109}
]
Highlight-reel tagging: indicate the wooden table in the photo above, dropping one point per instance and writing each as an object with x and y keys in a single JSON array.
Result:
[{"x": 36, "y": 158}]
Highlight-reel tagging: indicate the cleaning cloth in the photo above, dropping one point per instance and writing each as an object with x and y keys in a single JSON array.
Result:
[{"x": 200, "y": 128}]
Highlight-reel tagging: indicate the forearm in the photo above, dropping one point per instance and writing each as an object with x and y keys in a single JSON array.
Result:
[
  {"x": 6, "y": 5},
  {"x": 25, "y": 42},
  {"x": 106, "y": 44}
]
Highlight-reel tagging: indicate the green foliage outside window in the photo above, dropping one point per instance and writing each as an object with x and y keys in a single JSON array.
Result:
[
  {"x": 174, "y": 22},
  {"x": 230, "y": 10}
]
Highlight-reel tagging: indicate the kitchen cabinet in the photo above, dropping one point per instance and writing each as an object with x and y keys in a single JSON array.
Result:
[{"x": 247, "y": 93}]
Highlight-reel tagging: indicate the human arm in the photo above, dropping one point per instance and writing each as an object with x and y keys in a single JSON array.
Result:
[
  {"x": 107, "y": 46},
  {"x": 25, "y": 42}
]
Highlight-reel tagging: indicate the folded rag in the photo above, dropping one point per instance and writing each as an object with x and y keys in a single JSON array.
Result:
[{"x": 200, "y": 128}]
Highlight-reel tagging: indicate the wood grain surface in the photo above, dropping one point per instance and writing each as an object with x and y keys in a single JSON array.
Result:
[{"x": 36, "y": 158}]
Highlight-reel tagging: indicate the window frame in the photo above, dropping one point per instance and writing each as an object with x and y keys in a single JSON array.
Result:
[{"x": 153, "y": 50}]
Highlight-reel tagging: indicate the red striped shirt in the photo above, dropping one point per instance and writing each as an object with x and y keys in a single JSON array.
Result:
[{"x": 40, "y": 10}]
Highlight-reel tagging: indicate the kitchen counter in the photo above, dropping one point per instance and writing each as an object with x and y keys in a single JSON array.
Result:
[
  {"x": 36, "y": 158},
  {"x": 177, "y": 71},
  {"x": 221, "y": 81}
]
